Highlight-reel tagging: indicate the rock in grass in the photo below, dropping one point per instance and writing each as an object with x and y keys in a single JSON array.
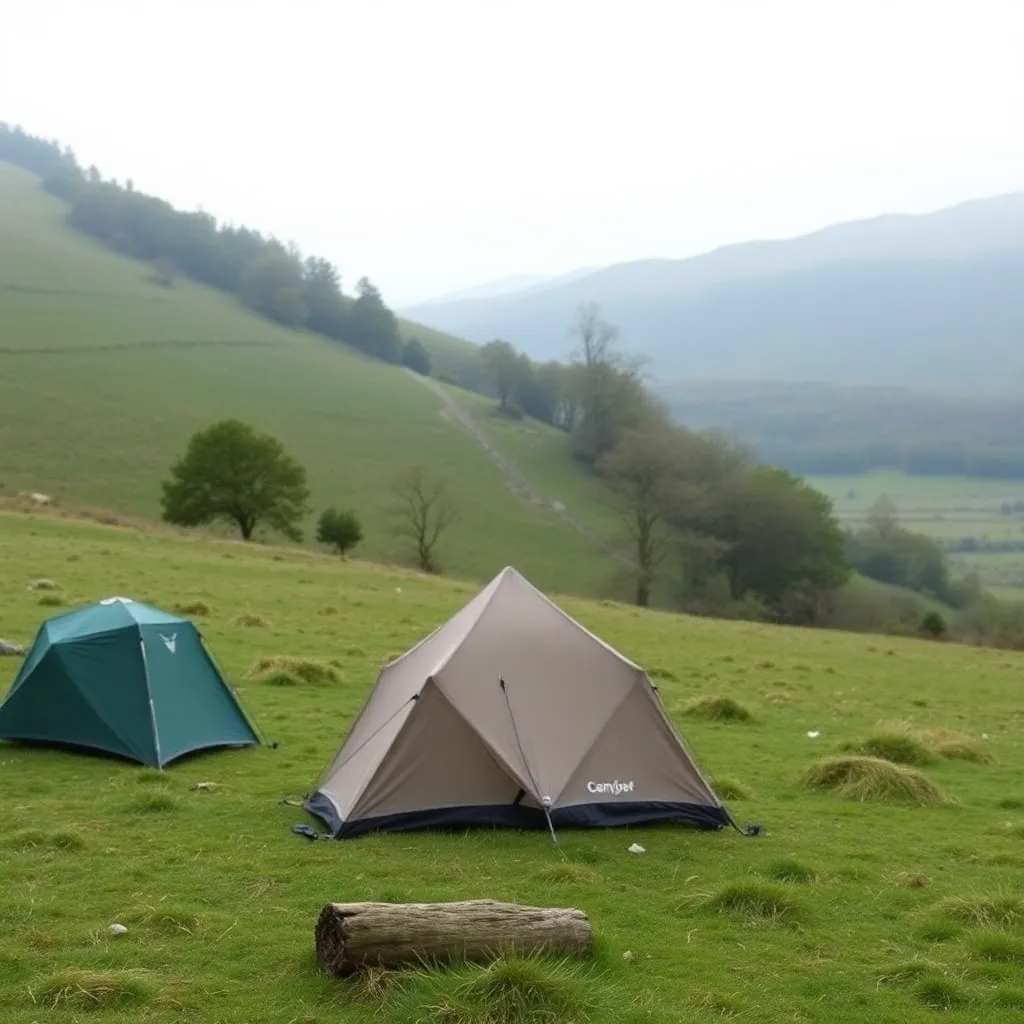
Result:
[
  {"x": 872, "y": 779},
  {"x": 9, "y": 649}
]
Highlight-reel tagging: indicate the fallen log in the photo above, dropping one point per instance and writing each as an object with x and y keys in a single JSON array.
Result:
[{"x": 354, "y": 936}]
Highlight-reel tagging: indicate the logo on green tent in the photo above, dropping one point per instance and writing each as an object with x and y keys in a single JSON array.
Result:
[{"x": 169, "y": 641}]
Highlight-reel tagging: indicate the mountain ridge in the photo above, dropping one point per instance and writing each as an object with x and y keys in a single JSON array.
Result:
[{"x": 888, "y": 283}]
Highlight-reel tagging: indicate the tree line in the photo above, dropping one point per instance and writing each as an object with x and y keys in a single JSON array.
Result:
[
  {"x": 272, "y": 278},
  {"x": 846, "y": 431}
]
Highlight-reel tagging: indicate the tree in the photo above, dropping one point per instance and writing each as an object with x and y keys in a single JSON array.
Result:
[
  {"x": 230, "y": 472},
  {"x": 883, "y": 517},
  {"x": 416, "y": 357},
  {"x": 272, "y": 285},
  {"x": 424, "y": 510},
  {"x": 502, "y": 362},
  {"x": 781, "y": 534},
  {"x": 933, "y": 625},
  {"x": 372, "y": 326},
  {"x": 643, "y": 474},
  {"x": 340, "y": 530},
  {"x": 611, "y": 396},
  {"x": 327, "y": 313}
]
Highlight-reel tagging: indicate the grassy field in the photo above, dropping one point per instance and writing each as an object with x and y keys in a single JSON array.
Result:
[
  {"x": 947, "y": 508},
  {"x": 843, "y": 910},
  {"x": 104, "y": 376}
]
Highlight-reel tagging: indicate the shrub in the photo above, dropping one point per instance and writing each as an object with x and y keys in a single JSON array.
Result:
[
  {"x": 933, "y": 625},
  {"x": 340, "y": 530},
  {"x": 718, "y": 709},
  {"x": 873, "y": 779}
]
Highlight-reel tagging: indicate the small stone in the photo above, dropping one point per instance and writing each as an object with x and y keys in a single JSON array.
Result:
[
  {"x": 636, "y": 848},
  {"x": 118, "y": 929}
]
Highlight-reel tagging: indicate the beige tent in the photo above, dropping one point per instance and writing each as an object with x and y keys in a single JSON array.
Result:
[{"x": 511, "y": 713}]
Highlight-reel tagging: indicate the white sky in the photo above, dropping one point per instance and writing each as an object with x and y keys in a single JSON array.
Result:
[{"x": 440, "y": 143}]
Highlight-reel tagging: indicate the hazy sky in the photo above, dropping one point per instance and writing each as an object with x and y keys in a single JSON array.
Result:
[{"x": 437, "y": 144}]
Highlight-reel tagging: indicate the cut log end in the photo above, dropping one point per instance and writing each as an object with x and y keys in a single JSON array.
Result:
[{"x": 354, "y": 936}]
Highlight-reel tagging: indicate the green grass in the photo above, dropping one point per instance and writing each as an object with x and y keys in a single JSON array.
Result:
[
  {"x": 946, "y": 508},
  {"x": 219, "y": 898},
  {"x": 104, "y": 376}
]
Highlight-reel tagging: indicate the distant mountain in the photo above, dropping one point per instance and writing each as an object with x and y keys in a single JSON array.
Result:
[
  {"x": 930, "y": 300},
  {"x": 516, "y": 284}
]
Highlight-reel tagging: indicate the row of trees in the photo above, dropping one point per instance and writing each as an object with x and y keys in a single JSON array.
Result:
[
  {"x": 701, "y": 516},
  {"x": 231, "y": 473},
  {"x": 273, "y": 279},
  {"x": 885, "y": 551}
]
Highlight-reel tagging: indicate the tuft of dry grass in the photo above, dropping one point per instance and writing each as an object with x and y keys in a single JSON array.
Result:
[
  {"x": 788, "y": 869},
  {"x": 997, "y": 947},
  {"x": 756, "y": 901},
  {"x": 27, "y": 839},
  {"x": 248, "y": 620},
  {"x": 567, "y": 873},
  {"x": 196, "y": 607},
  {"x": 508, "y": 990},
  {"x": 281, "y": 670},
  {"x": 896, "y": 743},
  {"x": 50, "y": 601},
  {"x": 717, "y": 709},
  {"x": 957, "y": 746},
  {"x": 728, "y": 788},
  {"x": 872, "y": 779},
  {"x": 92, "y": 990},
  {"x": 981, "y": 911}
]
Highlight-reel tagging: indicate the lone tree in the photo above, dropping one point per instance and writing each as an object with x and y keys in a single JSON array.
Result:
[
  {"x": 230, "y": 472},
  {"x": 424, "y": 509},
  {"x": 341, "y": 530}
]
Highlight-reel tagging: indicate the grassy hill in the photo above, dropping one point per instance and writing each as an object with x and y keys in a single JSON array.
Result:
[
  {"x": 859, "y": 911},
  {"x": 104, "y": 375}
]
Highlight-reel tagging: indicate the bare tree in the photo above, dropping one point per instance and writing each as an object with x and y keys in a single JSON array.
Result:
[{"x": 424, "y": 509}]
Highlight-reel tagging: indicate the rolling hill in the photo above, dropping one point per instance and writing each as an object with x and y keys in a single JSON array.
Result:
[
  {"x": 104, "y": 375},
  {"x": 931, "y": 301}
]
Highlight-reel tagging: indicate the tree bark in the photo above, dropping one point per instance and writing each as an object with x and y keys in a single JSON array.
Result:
[{"x": 354, "y": 936}]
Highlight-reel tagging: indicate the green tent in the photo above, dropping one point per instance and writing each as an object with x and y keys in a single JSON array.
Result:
[{"x": 127, "y": 679}]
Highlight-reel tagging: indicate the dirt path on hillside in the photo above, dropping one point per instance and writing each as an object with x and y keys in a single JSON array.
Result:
[{"x": 514, "y": 477}]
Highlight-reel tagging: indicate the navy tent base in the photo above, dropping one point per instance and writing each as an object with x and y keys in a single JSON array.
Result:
[{"x": 515, "y": 816}]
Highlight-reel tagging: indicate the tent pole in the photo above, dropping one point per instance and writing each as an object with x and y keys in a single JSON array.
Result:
[
  {"x": 545, "y": 802},
  {"x": 234, "y": 695},
  {"x": 152, "y": 707}
]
